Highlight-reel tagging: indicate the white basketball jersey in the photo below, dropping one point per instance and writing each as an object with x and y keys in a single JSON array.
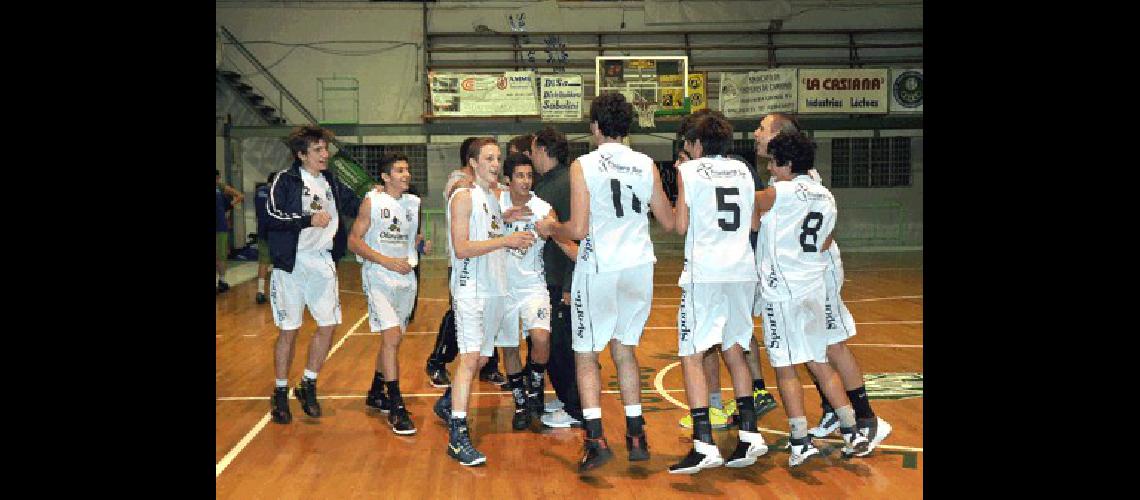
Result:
[
  {"x": 392, "y": 232},
  {"x": 525, "y": 271},
  {"x": 620, "y": 183},
  {"x": 720, "y": 195},
  {"x": 833, "y": 250},
  {"x": 485, "y": 275},
  {"x": 788, "y": 253},
  {"x": 317, "y": 196}
]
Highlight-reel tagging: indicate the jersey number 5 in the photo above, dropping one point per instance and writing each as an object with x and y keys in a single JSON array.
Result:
[
  {"x": 615, "y": 189},
  {"x": 812, "y": 230},
  {"x": 723, "y": 205}
]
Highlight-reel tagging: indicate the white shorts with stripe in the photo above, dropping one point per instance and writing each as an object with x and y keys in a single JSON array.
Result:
[
  {"x": 795, "y": 330},
  {"x": 532, "y": 309},
  {"x": 477, "y": 321},
  {"x": 714, "y": 313},
  {"x": 312, "y": 283},
  {"x": 607, "y": 306},
  {"x": 389, "y": 303}
]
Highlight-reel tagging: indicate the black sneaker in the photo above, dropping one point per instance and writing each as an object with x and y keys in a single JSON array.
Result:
[
  {"x": 702, "y": 456},
  {"x": 521, "y": 420},
  {"x": 534, "y": 404},
  {"x": 279, "y": 405},
  {"x": 638, "y": 448},
  {"x": 378, "y": 402},
  {"x": 597, "y": 452},
  {"x": 401, "y": 421},
  {"x": 442, "y": 409},
  {"x": 437, "y": 376},
  {"x": 261, "y": 298},
  {"x": 493, "y": 377},
  {"x": 223, "y": 286},
  {"x": 306, "y": 393},
  {"x": 459, "y": 444}
]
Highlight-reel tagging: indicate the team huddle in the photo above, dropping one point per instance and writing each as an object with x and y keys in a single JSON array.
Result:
[{"x": 790, "y": 276}]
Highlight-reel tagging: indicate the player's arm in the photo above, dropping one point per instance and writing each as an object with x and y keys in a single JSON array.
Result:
[
  {"x": 235, "y": 194},
  {"x": 682, "y": 206},
  {"x": 279, "y": 219},
  {"x": 765, "y": 199},
  {"x": 827, "y": 242},
  {"x": 569, "y": 247},
  {"x": 357, "y": 245},
  {"x": 460, "y": 224},
  {"x": 577, "y": 227},
  {"x": 659, "y": 203},
  {"x": 420, "y": 230}
]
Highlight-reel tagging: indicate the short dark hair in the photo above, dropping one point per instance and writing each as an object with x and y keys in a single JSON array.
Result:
[
  {"x": 520, "y": 143},
  {"x": 613, "y": 113},
  {"x": 515, "y": 160},
  {"x": 714, "y": 131},
  {"x": 388, "y": 160},
  {"x": 477, "y": 145},
  {"x": 689, "y": 120},
  {"x": 554, "y": 142},
  {"x": 301, "y": 137},
  {"x": 463, "y": 149},
  {"x": 794, "y": 147}
]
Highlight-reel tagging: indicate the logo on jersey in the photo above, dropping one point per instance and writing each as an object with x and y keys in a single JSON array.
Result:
[
  {"x": 587, "y": 248},
  {"x": 607, "y": 163},
  {"x": 395, "y": 227},
  {"x": 465, "y": 272},
  {"x": 803, "y": 194},
  {"x": 494, "y": 222},
  {"x": 829, "y": 316},
  {"x": 541, "y": 313},
  {"x": 706, "y": 171},
  {"x": 772, "y": 279},
  {"x": 682, "y": 320}
]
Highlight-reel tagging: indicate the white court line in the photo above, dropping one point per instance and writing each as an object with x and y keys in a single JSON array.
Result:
[
  {"x": 225, "y": 461},
  {"x": 657, "y": 384}
]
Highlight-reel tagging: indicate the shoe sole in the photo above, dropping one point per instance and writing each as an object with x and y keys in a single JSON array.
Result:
[
  {"x": 477, "y": 461},
  {"x": 638, "y": 456},
  {"x": 402, "y": 433},
  {"x": 699, "y": 467},
  {"x": 598, "y": 462},
  {"x": 283, "y": 421},
  {"x": 803, "y": 459},
  {"x": 433, "y": 384},
  {"x": 561, "y": 426},
  {"x": 749, "y": 458}
]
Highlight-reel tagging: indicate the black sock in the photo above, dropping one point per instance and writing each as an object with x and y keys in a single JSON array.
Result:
[
  {"x": 593, "y": 427},
  {"x": 747, "y": 407},
  {"x": 515, "y": 382},
  {"x": 634, "y": 425},
  {"x": 537, "y": 377},
  {"x": 862, "y": 405},
  {"x": 758, "y": 383},
  {"x": 377, "y": 388},
  {"x": 702, "y": 428},
  {"x": 822, "y": 398},
  {"x": 447, "y": 393},
  {"x": 394, "y": 393}
]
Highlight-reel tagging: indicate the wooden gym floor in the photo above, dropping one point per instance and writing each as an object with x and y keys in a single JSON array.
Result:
[{"x": 351, "y": 452}]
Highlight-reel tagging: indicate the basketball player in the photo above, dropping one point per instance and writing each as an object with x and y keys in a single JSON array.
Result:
[
  {"x": 613, "y": 279},
  {"x": 383, "y": 237},
  {"x": 798, "y": 215},
  {"x": 714, "y": 195},
  {"x": 527, "y": 300},
  {"x": 305, "y": 237},
  {"x": 478, "y": 286},
  {"x": 839, "y": 329}
]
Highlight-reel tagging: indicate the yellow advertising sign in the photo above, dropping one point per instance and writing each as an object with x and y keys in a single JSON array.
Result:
[{"x": 698, "y": 99}]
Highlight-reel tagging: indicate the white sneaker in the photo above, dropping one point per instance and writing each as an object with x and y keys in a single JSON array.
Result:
[
  {"x": 560, "y": 420},
  {"x": 553, "y": 406},
  {"x": 828, "y": 424},
  {"x": 751, "y": 445},
  {"x": 702, "y": 456},
  {"x": 856, "y": 444},
  {"x": 800, "y": 453},
  {"x": 876, "y": 432}
]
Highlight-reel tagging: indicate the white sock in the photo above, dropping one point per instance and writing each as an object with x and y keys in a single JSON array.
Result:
[
  {"x": 798, "y": 427},
  {"x": 591, "y": 413},
  {"x": 846, "y": 416},
  {"x": 715, "y": 401},
  {"x": 309, "y": 374},
  {"x": 261, "y": 285},
  {"x": 458, "y": 414},
  {"x": 281, "y": 382},
  {"x": 630, "y": 410}
]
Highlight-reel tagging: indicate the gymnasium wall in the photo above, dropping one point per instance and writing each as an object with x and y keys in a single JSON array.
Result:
[{"x": 391, "y": 79}]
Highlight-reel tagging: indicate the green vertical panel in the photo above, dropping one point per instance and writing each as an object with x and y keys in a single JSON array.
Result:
[{"x": 351, "y": 174}]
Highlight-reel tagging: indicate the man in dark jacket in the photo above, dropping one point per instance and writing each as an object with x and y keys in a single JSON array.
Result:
[{"x": 305, "y": 237}]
